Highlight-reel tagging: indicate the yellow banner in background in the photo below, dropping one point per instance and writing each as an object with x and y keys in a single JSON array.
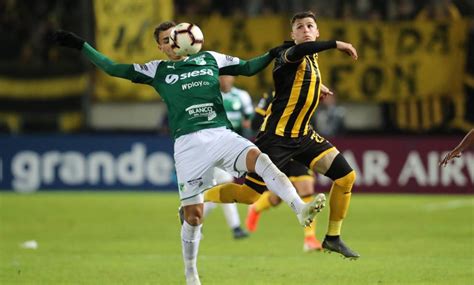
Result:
[
  {"x": 396, "y": 60},
  {"x": 125, "y": 35},
  {"x": 50, "y": 88}
]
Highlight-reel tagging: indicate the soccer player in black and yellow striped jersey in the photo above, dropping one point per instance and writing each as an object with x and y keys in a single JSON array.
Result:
[
  {"x": 300, "y": 176},
  {"x": 286, "y": 133}
]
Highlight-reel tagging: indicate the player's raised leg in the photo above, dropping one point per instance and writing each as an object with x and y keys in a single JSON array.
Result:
[{"x": 278, "y": 183}]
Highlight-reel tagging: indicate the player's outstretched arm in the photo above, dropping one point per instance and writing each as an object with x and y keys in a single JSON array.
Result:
[
  {"x": 297, "y": 52},
  {"x": 467, "y": 141},
  {"x": 71, "y": 40},
  {"x": 248, "y": 67},
  {"x": 253, "y": 66}
]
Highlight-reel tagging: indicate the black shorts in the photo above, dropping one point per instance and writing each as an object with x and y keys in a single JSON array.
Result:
[
  {"x": 296, "y": 171},
  {"x": 282, "y": 150}
]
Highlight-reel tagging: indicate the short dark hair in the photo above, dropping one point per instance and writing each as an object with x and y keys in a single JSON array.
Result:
[
  {"x": 162, "y": 27},
  {"x": 302, "y": 15}
]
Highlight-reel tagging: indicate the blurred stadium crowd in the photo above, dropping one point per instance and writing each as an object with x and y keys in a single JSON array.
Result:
[
  {"x": 64, "y": 103},
  {"x": 389, "y": 10}
]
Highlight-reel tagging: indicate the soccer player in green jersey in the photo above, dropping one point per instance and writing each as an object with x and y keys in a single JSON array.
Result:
[
  {"x": 238, "y": 106},
  {"x": 189, "y": 86}
]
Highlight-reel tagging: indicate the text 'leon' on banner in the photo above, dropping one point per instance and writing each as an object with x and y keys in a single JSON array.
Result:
[
  {"x": 125, "y": 35},
  {"x": 396, "y": 60}
]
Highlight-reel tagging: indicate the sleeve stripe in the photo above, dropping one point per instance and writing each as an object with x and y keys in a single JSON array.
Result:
[{"x": 148, "y": 69}]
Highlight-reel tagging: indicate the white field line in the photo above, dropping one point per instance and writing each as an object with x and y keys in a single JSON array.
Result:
[{"x": 449, "y": 205}]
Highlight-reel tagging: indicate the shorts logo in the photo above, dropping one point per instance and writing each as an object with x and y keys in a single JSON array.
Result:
[
  {"x": 229, "y": 58},
  {"x": 181, "y": 187},
  {"x": 195, "y": 182}
]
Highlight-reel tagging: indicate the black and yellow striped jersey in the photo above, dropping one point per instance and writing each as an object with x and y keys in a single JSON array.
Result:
[{"x": 297, "y": 89}]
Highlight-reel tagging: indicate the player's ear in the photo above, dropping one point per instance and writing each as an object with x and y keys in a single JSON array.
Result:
[{"x": 292, "y": 36}]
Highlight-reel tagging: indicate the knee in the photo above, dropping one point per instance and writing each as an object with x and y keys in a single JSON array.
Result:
[
  {"x": 262, "y": 163},
  {"x": 274, "y": 199},
  {"x": 251, "y": 159},
  {"x": 348, "y": 180},
  {"x": 194, "y": 220},
  {"x": 193, "y": 216}
]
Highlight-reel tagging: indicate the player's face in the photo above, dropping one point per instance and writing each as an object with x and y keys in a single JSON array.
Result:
[
  {"x": 165, "y": 45},
  {"x": 304, "y": 30}
]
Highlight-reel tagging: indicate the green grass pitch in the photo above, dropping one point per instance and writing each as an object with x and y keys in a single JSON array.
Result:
[{"x": 133, "y": 238}]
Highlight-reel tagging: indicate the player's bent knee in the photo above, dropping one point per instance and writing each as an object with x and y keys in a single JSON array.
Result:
[
  {"x": 339, "y": 169},
  {"x": 263, "y": 163},
  {"x": 194, "y": 220},
  {"x": 245, "y": 162},
  {"x": 193, "y": 214},
  {"x": 347, "y": 181}
]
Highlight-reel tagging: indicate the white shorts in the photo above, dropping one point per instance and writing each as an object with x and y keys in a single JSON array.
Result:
[
  {"x": 221, "y": 176},
  {"x": 197, "y": 154}
]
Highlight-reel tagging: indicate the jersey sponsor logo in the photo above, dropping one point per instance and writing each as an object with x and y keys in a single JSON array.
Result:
[
  {"x": 202, "y": 110},
  {"x": 173, "y": 78},
  {"x": 187, "y": 86}
]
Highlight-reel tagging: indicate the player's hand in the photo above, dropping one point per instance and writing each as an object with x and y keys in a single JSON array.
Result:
[
  {"x": 449, "y": 156},
  {"x": 347, "y": 48},
  {"x": 68, "y": 39},
  {"x": 325, "y": 92},
  {"x": 274, "y": 52}
]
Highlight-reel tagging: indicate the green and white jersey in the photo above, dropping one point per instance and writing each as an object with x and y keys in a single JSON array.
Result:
[
  {"x": 238, "y": 106},
  {"x": 190, "y": 89}
]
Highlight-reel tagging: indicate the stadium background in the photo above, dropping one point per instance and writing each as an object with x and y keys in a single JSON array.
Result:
[
  {"x": 408, "y": 99},
  {"x": 69, "y": 132}
]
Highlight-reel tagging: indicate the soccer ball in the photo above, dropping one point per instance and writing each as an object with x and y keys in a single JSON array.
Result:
[{"x": 186, "y": 39}]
